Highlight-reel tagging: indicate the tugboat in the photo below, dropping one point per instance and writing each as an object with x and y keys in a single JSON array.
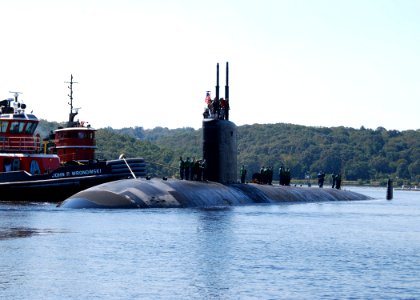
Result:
[{"x": 50, "y": 170}]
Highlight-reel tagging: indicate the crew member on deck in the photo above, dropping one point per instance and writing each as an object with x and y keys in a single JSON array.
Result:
[
  {"x": 181, "y": 167},
  {"x": 243, "y": 174},
  {"x": 187, "y": 169},
  {"x": 203, "y": 166},
  {"x": 281, "y": 175},
  {"x": 338, "y": 181},
  {"x": 321, "y": 178}
]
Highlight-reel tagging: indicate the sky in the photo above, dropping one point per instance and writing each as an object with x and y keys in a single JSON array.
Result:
[{"x": 149, "y": 63}]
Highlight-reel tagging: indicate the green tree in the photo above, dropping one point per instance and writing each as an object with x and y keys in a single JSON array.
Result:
[
  {"x": 402, "y": 169},
  {"x": 355, "y": 170}
]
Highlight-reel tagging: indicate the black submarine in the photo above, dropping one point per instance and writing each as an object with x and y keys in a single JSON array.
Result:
[{"x": 220, "y": 189}]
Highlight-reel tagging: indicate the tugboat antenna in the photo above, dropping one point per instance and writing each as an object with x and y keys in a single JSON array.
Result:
[
  {"x": 15, "y": 94},
  {"x": 72, "y": 114},
  {"x": 16, "y": 107}
]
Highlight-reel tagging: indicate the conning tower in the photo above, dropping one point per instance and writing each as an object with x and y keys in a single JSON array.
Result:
[{"x": 220, "y": 141}]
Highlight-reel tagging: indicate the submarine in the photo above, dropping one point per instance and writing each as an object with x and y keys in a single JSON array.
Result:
[{"x": 221, "y": 187}]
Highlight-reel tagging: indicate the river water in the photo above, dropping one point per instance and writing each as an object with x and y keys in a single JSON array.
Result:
[{"x": 325, "y": 250}]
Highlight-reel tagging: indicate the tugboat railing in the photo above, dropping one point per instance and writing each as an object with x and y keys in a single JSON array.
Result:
[{"x": 20, "y": 144}]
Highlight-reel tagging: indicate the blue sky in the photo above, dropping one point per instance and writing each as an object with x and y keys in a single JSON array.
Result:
[{"x": 148, "y": 63}]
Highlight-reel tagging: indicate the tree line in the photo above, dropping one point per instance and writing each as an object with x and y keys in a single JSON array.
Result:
[{"x": 364, "y": 155}]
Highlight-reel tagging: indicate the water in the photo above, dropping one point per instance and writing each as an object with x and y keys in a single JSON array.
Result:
[{"x": 330, "y": 250}]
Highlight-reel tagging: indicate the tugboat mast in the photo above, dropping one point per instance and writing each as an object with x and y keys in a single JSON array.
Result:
[
  {"x": 17, "y": 107},
  {"x": 15, "y": 95},
  {"x": 75, "y": 112}
]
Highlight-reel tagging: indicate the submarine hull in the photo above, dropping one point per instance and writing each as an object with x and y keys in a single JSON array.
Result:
[
  {"x": 158, "y": 193},
  {"x": 220, "y": 154}
]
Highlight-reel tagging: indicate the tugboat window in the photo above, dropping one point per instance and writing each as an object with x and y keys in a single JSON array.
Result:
[
  {"x": 14, "y": 127},
  {"x": 3, "y": 126},
  {"x": 30, "y": 128},
  {"x": 17, "y": 127},
  {"x": 7, "y": 165},
  {"x": 34, "y": 168},
  {"x": 15, "y": 164}
]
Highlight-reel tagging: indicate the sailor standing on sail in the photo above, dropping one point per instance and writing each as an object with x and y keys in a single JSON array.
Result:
[
  {"x": 208, "y": 101},
  {"x": 216, "y": 108}
]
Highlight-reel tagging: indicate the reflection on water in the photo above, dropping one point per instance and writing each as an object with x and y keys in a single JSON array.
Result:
[
  {"x": 328, "y": 250},
  {"x": 214, "y": 239},
  {"x": 23, "y": 232}
]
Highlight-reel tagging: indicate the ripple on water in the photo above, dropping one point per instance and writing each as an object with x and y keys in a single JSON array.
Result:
[{"x": 25, "y": 232}]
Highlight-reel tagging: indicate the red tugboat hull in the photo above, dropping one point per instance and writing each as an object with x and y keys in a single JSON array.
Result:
[{"x": 66, "y": 181}]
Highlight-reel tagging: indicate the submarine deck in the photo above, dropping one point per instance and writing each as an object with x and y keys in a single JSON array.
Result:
[{"x": 158, "y": 193}]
